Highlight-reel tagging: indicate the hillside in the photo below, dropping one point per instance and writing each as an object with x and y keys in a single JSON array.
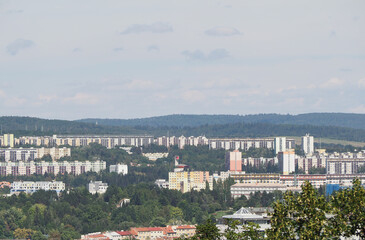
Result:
[
  {"x": 254, "y": 130},
  {"x": 349, "y": 120},
  {"x": 38, "y": 126}
]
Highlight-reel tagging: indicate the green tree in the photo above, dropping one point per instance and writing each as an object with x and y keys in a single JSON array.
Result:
[
  {"x": 349, "y": 210},
  {"x": 301, "y": 216}
]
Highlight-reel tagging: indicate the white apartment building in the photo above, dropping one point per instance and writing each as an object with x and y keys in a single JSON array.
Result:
[
  {"x": 308, "y": 144},
  {"x": 256, "y": 162},
  {"x": 7, "y": 140},
  {"x": 344, "y": 165},
  {"x": 246, "y": 143},
  {"x": 119, "y": 168},
  {"x": 280, "y": 144},
  {"x": 162, "y": 183},
  {"x": 181, "y": 141},
  {"x": 30, "y": 154},
  {"x": 97, "y": 187},
  {"x": 287, "y": 161},
  {"x": 155, "y": 156},
  {"x": 108, "y": 141},
  {"x": 31, "y": 187},
  {"x": 313, "y": 161},
  {"x": 245, "y": 189},
  {"x": 28, "y": 168}
]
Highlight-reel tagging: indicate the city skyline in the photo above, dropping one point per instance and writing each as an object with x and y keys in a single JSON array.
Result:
[{"x": 127, "y": 59}]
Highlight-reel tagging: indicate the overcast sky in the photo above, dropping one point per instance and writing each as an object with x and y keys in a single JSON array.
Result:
[{"x": 139, "y": 58}]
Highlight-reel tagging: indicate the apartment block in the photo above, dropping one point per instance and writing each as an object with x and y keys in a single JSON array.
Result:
[
  {"x": 246, "y": 189},
  {"x": 31, "y": 187},
  {"x": 108, "y": 141},
  {"x": 308, "y": 144},
  {"x": 97, "y": 187},
  {"x": 246, "y": 143},
  {"x": 119, "y": 168},
  {"x": 234, "y": 161},
  {"x": 30, "y": 154},
  {"x": 188, "y": 181},
  {"x": 28, "y": 168},
  {"x": 287, "y": 161},
  {"x": 7, "y": 140}
]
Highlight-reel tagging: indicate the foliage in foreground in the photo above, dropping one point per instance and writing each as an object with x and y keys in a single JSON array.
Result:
[{"x": 307, "y": 215}]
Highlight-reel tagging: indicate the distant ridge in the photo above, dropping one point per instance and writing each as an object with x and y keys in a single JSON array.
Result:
[
  {"x": 21, "y": 126},
  {"x": 349, "y": 120},
  {"x": 39, "y": 126}
]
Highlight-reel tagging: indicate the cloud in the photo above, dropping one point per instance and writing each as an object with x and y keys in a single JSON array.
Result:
[
  {"x": 139, "y": 84},
  {"x": 2, "y": 94},
  {"x": 47, "y": 98},
  {"x": 82, "y": 98},
  {"x": 361, "y": 82},
  {"x": 216, "y": 54},
  {"x": 76, "y": 50},
  {"x": 118, "y": 49},
  {"x": 333, "y": 82},
  {"x": 193, "y": 96},
  {"x": 358, "y": 109},
  {"x": 333, "y": 34},
  {"x": 153, "y": 48},
  {"x": 158, "y": 27},
  {"x": 20, "y": 44},
  {"x": 222, "y": 32},
  {"x": 14, "y": 11}
]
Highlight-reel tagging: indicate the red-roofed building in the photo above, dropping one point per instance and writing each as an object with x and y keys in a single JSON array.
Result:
[
  {"x": 95, "y": 237},
  {"x": 147, "y": 233},
  {"x": 185, "y": 230},
  {"x": 125, "y": 234}
]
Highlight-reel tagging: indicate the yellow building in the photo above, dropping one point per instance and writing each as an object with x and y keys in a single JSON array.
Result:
[
  {"x": 187, "y": 181},
  {"x": 8, "y": 140}
]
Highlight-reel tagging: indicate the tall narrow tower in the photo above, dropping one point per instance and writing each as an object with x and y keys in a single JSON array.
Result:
[
  {"x": 234, "y": 161},
  {"x": 308, "y": 144}
]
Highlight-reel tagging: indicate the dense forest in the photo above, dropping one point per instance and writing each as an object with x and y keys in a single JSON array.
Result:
[
  {"x": 42, "y": 127},
  {"x": 35, "y": 126},
  {"x": 350, "y": 120},
  {"x": 77, "y": 211}
]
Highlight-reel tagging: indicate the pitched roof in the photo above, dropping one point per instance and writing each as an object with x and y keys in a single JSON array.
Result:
[
  {"x": 124, "y": 233},
  {"x": 186, "y": 227}
]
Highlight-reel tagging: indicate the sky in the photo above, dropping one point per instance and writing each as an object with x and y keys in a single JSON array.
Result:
[{"x": 132, "y": 59}]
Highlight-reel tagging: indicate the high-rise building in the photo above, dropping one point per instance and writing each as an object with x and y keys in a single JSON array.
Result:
[
  {"x": 234, "y": 161},
  {"x": 8, "y": 140},
  {"x": 287, "y": 161},
  {"x": 308, "y": 144},
  {"x": 280, "y": 144}
]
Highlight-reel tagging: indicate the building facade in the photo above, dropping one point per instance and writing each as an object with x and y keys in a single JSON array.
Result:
[
  {"x": 119, "y": 168},
  {"x": 234, "y": 161},
  {"x": 308, "y": 144},
  {"x": 30, "y": 154},
  {"x": 187, "y": 181},
  {"x": 287, "y": 161},
  {"x": 97, "y": 187},
  {"x": 40, "y": 168},
  {"x": 31, "y": 187},
  {"x": 246, "y": 143}
]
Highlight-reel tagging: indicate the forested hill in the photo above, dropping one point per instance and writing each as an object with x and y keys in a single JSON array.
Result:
[
  {"x": 38, "y": 126},
  {"x": 349, "y": 120},
  {"x": 254, "y": 130}
]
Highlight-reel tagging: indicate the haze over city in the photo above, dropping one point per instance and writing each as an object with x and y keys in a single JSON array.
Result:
[{"x": 127, "y": 59}]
